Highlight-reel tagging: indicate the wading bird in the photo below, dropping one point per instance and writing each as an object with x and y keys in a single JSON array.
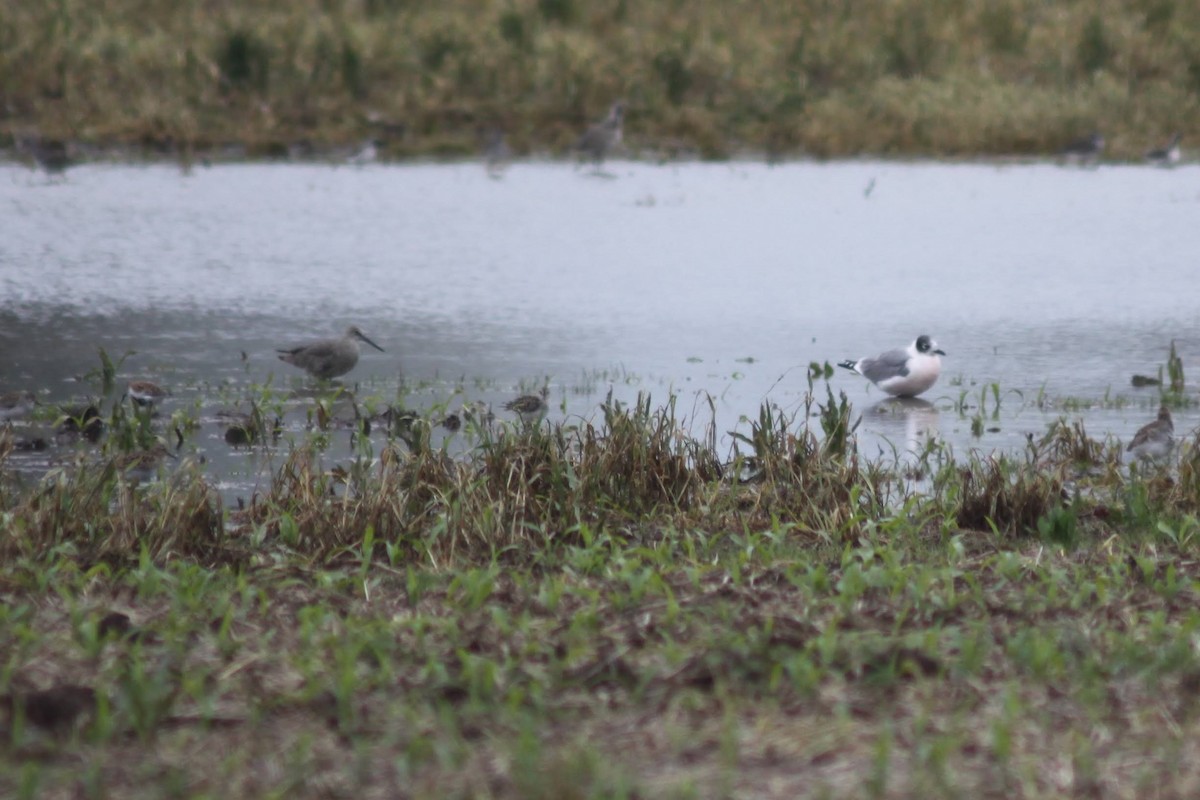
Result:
[
  {"x": 327, "y": 358},
  {"x": 903, "y": 372},
  {"x": 599, "y": 139},
  {"x": 1154, "y": 440}
]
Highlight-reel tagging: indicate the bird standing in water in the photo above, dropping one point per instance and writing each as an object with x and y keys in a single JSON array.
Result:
[
  {"x": 530, "y": 408},
  {"x": 328, "y": 358},
  {"x": 903, "y": 372},
  {"x": 145, "y": 393},
  {"x": 599, "y": 139},
  {"x": 1154, "y": 440},
  {"x": 1166, "y": 156}
]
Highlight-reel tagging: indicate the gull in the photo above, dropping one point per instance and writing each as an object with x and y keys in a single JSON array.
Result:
[
  {"x": 1166, "y": 156},
  {"x": 903, "y": 372},
  {"x": 530, "y": 408},
  {"x": 602, "y": 137},
  {"x": 1154, "y": 440},
  {"x": 328, "y": 358}
]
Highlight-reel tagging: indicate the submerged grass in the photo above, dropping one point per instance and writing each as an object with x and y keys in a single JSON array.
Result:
[
  {"x": 608, "y": 609},
  {"x": 817, "y": 77}
]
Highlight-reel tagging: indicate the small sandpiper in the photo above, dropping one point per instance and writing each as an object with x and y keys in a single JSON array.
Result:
[
  {"x": 50, "y": 155},
  {"x": 1154, "y": 440},
  {"x": 1084, "y": 151},
  {"x": 141, "y": 465},
  {"x": 496, "y": 155},
  {"x": 16, "y": 404},
  {"x": 328, "y": 358},
  {"x": 145, "y": 394},
  {"x": 368, "y": 153},
  {"x": 599, "y": 139},
  {"x": 530, "y": 408},
  {"x": 1166, "y": 156}
]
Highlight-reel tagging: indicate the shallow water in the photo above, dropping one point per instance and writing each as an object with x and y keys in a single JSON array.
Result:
[{"x": 703, "y": 279}]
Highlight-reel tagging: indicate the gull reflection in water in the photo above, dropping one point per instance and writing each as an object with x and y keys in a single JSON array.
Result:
[{"x": 912, "y": 418}]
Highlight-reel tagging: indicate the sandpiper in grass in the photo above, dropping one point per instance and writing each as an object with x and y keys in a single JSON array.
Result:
[
  {"x": 1084, "y": 151},
  {"x": 1154, "y": 440},
  {"x": 530, "y": 408},
  {"x": 599, "y": 139},
  {"x": 902, "y": 372},
  {"x": 496, "y": 155},
  {"x": 145, "y": 394},
  {"x": 328, "y": 358},
  {"x": 1166, "y": 156},
  {"x": 52, "y": 156},
  {"x": 16, "y": 404},
  {"x": 141, "y": 465}
]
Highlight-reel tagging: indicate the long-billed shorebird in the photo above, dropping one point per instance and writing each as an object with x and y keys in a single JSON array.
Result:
[
  {"x": 903, "y": 372},
  {"x": 1084, "y": 151},
  {"x": 145, "y": 394},
  {"x": 141, "y": 465},
  {"x": 50, "y": 155},
  {"x": 496, "y": 155},
  {"x": 530, "y": 408},
  {"x": 16, "y": 404},
  {"x": 599, "y": 139},
  {"x": 328, "y": 358},
  {"x": 1166, "y": 156},
  {"x": 1154, "y": 440}
]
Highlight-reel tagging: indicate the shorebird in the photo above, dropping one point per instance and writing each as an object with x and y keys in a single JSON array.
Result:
[
  {"x": 1084, "y": 151},
  {"x": 53, "y": 156},
  {"x": 368, "y": 153},
  {"x": 602, "y": 137},
  {"x": 530, "y": 408},
  {"x": 496, "y": 154},
  {"x": 1154, "y": 440},
  {"x": 903, "y": 372},
  {"x": 16, "y": 404},
  {"x": 141, "y": 465},
  {"x": 145, "y": 394},
  {"x": 1166, "y": 156},
  {"x": 328, "y": 358}
]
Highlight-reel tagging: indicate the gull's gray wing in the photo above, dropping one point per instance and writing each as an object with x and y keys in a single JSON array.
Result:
[{"x": 892, "y": 364}]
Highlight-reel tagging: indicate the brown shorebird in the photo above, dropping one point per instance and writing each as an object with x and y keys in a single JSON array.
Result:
[
  {"x": 902, "y": 372},
  {"x": 1084, "y": 151},
  {"x": 141, "y": 465},
  {"x": 599, "y": 139},
  {"x": 52, "y": 156},
  {"x": 328, "y": 358},
  {"x": 1154, "y": 440},
  {"x": 1166, "y": 156},
  {"x": 145, "y": 394},
  {"x": 530, "y": 408},
  {"x": 496, "y": 155},
  {"x": 16, "y": 404}
]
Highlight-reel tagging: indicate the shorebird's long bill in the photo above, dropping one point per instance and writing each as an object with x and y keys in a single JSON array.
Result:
[
  {"x": 368, "y": 341},
  {"x": 939, "y": 352}
]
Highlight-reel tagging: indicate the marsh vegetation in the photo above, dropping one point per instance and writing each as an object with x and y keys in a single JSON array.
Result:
[
  {"x": 604, "y": 608},
  {"x": 816, "y": 77}
]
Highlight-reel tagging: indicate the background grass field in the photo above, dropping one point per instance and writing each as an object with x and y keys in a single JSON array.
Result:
[{"x": 781, "y": 77}]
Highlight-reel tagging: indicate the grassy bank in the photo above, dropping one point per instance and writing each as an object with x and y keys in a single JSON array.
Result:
[
  {"x": 950, "y": 77},
  {"x": 609, "y": 610}
]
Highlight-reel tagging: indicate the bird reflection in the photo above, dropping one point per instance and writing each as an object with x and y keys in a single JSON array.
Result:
[{"x": 916, "y": 418}]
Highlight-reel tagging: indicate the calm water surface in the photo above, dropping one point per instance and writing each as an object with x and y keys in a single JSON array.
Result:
[{"x": 724, "y": 280}]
